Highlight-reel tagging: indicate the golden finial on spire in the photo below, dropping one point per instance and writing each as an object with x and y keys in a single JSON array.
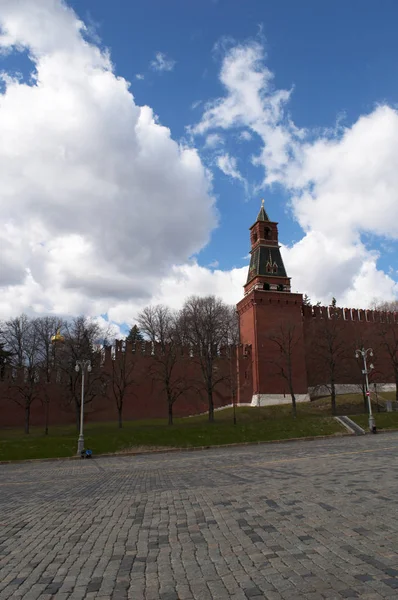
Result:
[
  {"x": 58, "y": 337},
  {"x": 262, "y": 202}
]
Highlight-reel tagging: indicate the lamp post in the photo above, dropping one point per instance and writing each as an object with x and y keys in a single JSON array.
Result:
[
  {"x": 365, "y": 371},
  {"x": 82, "y": 365}
]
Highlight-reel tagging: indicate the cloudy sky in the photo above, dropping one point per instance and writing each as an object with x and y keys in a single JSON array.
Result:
[{"x": 137, "y": 140}]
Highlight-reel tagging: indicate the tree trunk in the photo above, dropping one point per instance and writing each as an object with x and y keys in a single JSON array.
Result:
[
  {"x": 211, "y": 405},
  {"x": 396, "y": 385},
  {"x": 27, "y": 418},
  {"x": 47, "y": 417},
  {"x": 170, "y": 413},
  {"x": 333, "y": 398},
  {"x": 119, "y": 411},
  {"x": 294, "y": 407}
]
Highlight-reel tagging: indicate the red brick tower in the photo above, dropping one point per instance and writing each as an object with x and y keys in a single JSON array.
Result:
[{"x": 269, "y": 312}]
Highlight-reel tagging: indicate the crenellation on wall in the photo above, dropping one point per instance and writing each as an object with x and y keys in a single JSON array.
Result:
[{"x": 349, "y": 314}]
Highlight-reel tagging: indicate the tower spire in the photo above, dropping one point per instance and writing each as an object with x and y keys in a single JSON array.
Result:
[{"x": 262, "y": 215}]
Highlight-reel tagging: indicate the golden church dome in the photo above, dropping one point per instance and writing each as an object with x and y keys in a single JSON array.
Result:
[{"x": 57, "y": 338}]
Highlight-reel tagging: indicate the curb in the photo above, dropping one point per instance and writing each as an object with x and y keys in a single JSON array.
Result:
[
  {"x": 382, "y": 431},
  {"x": 172, "y": 450}
]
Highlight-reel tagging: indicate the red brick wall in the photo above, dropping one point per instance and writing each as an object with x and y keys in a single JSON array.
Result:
[
  {"x": 144, "y": 400},
  {"x": 264, "y": 314},
  {"x": 354, "y": 328},
  {"x": 253, "y": 366}
]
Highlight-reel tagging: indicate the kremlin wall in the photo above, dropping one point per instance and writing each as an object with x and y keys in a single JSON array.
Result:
[{"x": 276, "y": 330}]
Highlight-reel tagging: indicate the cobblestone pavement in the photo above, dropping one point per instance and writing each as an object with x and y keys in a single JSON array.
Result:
[{"x": 308, "y": 520}]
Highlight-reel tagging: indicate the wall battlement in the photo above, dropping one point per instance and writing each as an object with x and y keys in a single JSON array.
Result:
[
  {"x": 152, "y": 349},
  {"x": 349, "y": 314}
]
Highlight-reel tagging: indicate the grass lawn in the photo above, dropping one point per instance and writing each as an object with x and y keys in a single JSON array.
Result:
[
  {"x": 253, "y": 425},
  {"x": 383, "y": 420}
]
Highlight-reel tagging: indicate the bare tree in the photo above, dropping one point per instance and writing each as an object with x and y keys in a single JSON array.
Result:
[
  {"x": 21, "y": 341},
  {"x": 162, "y": 327},
  {"x": 387, "y": 335},
  {"x": 82, "y": 337},
  {"x": 14, "y": 333},
  {"x": 286, "y": 338},
  {"x": 329, "y": 351},
  {"x": 46, "y": 328},
  {"x": 206, "y": 324},
  {"x": 123, "y": 376},
  {"x": 388, "y": 341},
  {"x": 233, "y": 342},
  {"x": 391, "y": 306}
]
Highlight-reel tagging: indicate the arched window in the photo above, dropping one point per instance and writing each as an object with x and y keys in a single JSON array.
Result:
[
  {"x": 266, "y": 287},
  {"x": 267, "y": 232}
]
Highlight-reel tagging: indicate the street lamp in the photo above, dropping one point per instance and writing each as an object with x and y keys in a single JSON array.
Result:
[
  {"x": 82, "y": 365},
  {"x": 365, "y": 371}
]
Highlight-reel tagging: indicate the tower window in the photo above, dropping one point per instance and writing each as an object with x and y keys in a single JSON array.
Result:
[
  {"x": 266, "y": 286},
  {"x": 267, "y": 232},
  {"x": 280, "y": 287},
  {"x": 254, "y": 237}
]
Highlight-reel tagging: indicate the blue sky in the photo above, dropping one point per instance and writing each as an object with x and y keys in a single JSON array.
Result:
[
  {"x": 341, "y": 58},
  {"x": 337, "y": 62}
]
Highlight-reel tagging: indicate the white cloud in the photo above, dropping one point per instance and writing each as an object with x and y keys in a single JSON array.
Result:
[
  {"x": 214, "y": 264},
  {"x": 183, "y": 281},
  {"x": 245, "y": 135},
  {"x": 252, "y": 103},
  {"x": 140, "y": 76},
  {"x": 343, "y": 181},
  {"x": 228, "y": 165},
  {"x": 196, "y": 104},
  {"x": 162, "y": 63},
  {"x": 349, "y": 183},
  {"x": 97, "y": 200},
  {"x": 213, "y": 140},
  {"x": 111, "y": 331}
]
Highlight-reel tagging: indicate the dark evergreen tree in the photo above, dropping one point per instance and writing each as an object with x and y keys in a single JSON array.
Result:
[{"x": 134, "y": 335}]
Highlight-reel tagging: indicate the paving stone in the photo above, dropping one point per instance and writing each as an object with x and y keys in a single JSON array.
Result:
[{"x": 314, "y": 521}]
